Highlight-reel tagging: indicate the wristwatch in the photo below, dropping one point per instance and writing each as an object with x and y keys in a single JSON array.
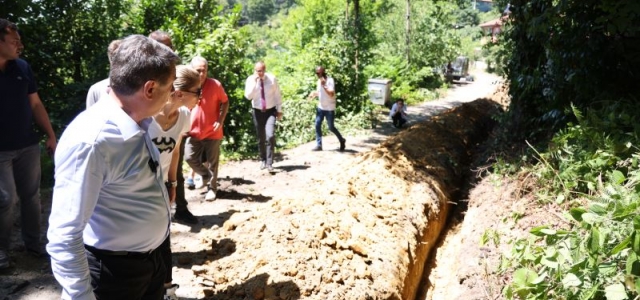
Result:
[{"x": 173, "y": 183}]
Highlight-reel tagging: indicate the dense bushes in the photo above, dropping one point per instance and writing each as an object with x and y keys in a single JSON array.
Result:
[
  {"x": 572, "y": 68},
  {"x": 592, "y": 170}
]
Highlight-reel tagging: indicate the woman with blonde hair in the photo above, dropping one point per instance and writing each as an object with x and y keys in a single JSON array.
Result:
[{"x": 171, "y": 123}]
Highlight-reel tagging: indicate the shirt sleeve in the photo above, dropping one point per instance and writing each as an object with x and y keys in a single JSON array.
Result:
[
  {"x": 92, "y": 95},
  {"x": 222, "y": 94},
  {"x": 250, "y": 88},
  {"x": 277, "y": 95},
  {"x": 394, "y": 108},
  {"x": 79, "y": 177},
  {"x": 331, "y": 84},
  {"x": 33, "y": 87}
]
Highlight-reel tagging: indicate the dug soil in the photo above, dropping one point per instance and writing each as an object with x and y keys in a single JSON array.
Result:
[{"x": 357, "y": 224}]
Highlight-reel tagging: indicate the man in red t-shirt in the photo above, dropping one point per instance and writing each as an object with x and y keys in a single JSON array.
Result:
[{"x": 205, "y": 136}]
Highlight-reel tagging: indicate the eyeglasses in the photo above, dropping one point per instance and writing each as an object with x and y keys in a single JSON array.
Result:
[{"x": 198, "y": 92}]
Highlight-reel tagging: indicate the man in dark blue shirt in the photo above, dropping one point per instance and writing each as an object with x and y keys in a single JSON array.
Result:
[{"x": 19, "y": 148}]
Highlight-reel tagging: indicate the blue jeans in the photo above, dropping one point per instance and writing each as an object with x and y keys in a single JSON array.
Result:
[
  {"x": 330, "y": 115},
  {"x": 20, "y": 179}
]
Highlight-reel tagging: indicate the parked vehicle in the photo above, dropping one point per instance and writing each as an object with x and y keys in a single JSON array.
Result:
[{"x": 458, "y": 69}]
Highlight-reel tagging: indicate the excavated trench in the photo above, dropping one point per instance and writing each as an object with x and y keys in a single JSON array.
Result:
[{"x": 367, "y": 236}]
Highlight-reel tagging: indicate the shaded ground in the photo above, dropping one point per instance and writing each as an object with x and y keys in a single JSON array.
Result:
[{"x": 208, "y": 258}]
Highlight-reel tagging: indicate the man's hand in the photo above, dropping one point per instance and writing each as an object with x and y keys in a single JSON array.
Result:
[
  {"x": 279, "y": 116},
  {"x": 216, "y": 126},
  {"x": 313, "y": 95},
  {"x": 51, "y": 145},
  {"x": 323, "y": 81}
]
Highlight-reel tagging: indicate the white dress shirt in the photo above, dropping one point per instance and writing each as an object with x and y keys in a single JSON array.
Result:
[
  {"x": 107, "y": 194},
  {"x": 272, "y": 94},
  {"x": 394, "y": 110},
  {"x": 97, "y": 91}
]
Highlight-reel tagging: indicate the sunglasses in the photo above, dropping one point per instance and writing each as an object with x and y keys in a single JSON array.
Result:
[{"x": 198, "y": 92}]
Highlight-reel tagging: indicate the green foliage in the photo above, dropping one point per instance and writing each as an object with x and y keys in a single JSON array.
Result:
[
  {"x": 66, "y": 41},
  {"x": 600, "y": 142},
  {"x": 567, "y": 52},
  {"x": 260, "y": 10},
  {"x": 594, "y": 165}
]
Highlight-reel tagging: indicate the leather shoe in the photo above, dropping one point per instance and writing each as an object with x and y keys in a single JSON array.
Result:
[
  {"x": 263, "y": 165},
  {"x": 342, "y": 144},
  {"x": 185, "y": 216}
]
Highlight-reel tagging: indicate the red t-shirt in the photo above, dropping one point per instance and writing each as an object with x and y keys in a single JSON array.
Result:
[{"x": 207, "y": 111}]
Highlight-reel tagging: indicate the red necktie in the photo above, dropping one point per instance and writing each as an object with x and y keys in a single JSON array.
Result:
[{"x": 263, "y": 101}]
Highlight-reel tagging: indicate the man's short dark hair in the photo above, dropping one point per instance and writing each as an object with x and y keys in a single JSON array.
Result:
[
  {"x": 5, "y": 27},
  {"x": 137, "y": 60}
]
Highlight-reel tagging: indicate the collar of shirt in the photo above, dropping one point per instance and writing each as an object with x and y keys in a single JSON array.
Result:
[{"x": 128, "y": 127}]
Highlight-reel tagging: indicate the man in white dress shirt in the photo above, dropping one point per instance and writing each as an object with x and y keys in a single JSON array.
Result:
[
  {"x": 263, "y": 91},
  {"x": 110, "y": 209}
]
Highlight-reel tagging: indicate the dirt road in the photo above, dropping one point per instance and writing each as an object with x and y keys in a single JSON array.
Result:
[{"x": 243, "y": 189}]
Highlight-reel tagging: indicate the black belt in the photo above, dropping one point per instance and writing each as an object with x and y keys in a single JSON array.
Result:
[
  {"x": 132, "y": 254},
  {"x": 266, "y": 109}
]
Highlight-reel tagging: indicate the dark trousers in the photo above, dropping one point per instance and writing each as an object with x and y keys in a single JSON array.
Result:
[
  {"x": 165, "y": 251},
  {"x": 181, "y": 202},
  {"x": 330, "y": 115},
  {"x": 132, "y": 277},
  {"x": 398, "y": 120},
  {"x": 265, "y": 123},
  {"x": 209, "y": 149}
]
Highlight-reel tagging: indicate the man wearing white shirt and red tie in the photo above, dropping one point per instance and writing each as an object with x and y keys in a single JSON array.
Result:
[{"x": 263, "y": 91}]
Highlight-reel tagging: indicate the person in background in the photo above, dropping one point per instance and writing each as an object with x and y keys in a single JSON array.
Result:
[
  {"x": 101, "y": 88},
  {"x": 110, "y": 210},
  {"x": 19, "y": 145},
  {"x": 207, "y": 122},
  {"x": 263, "y": 91},
  {"x": 166, "y": 133},
  {"x": 398, "y": 114},
  {"x": 326, "y": 93}
]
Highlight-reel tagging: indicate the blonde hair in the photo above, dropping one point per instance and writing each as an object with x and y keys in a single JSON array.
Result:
[{"x": 187, "y": 78}]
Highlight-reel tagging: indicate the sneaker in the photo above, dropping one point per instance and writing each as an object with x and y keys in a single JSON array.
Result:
[
  {"x": 190, "y": 184},
  {"x": 201, "y": 182},
  {"x": 4, "y": 260},
  {"x": 316, "y": 148},
  {"x": 185, "y": 216},
  {"x": 197, "y": 182},
  {"x": 210, "y": 196},
  {"x": 170, "y": 293},
  {"x": 342, "y": 144},
  {"x": 270, "y": 169},
  {"x": 263, "y": 165}
]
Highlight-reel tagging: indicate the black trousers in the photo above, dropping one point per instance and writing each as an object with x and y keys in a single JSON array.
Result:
[
  {"x": 181, "y": 201},
  {"x": 398, "y": 120},
  {"x": 135, "y": 276},
  {"x": 265, "y": 123}
]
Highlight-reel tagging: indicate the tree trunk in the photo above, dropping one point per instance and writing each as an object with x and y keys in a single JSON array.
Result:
[{"x": 408, "y": 29}]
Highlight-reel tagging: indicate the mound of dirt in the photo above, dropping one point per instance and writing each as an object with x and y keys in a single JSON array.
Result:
[{"x": 361, "y": 232}]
